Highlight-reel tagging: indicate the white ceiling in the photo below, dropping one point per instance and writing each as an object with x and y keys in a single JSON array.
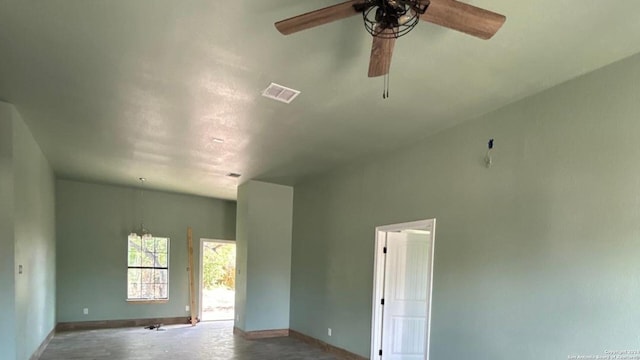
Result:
[{"x": 118, "y": 89}]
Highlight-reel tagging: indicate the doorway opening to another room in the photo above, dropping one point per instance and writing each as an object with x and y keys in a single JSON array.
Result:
[
  {"x": 402, "y": 285},
  {"x": 217, "y": 279}
]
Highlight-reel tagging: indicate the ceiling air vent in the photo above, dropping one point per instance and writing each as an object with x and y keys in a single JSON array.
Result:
[
  {"x": 280, "y": 93},
  {"x": 234, "y": 175}
]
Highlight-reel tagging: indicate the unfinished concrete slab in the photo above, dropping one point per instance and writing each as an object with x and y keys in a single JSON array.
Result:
[{"x": 211, "y": 340}]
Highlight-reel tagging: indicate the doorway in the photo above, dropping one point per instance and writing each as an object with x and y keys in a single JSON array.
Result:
[
  {"x": 403, "y": 274},
  {"x": 217, "y": 279}
]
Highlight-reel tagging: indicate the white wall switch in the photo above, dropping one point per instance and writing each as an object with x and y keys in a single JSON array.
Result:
[{"x": 85, "y": 311}]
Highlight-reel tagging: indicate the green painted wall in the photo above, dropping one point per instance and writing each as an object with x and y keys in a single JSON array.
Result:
[
  {"x": 7, "y": 257},
  {"x": 93, "y": 222},
  {"x": 242, "y": 250},
  {"x": 269, "y": 258},
  {"x": 34, "y": 227},
  {"x": 535, "y": 258},
  {"x": 27, "y": 238},
  {"x": 264, "y": 260}
]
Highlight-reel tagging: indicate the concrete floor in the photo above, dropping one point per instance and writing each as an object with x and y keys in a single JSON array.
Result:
[{"x": 208, "y": 340}]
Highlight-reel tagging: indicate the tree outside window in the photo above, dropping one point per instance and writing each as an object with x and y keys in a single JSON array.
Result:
[{"x": 148, "y": 268}]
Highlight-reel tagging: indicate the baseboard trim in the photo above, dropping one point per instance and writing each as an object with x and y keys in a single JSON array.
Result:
[
  {"x": 261, "y": 334},
  {"x": 339, "y": 352},
  {"x": 36, "y": 355},
  {"x": 111, "y": 324}
]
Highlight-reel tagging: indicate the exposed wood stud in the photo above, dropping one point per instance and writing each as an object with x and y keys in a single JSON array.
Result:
[{"x": 192, "y": 297}]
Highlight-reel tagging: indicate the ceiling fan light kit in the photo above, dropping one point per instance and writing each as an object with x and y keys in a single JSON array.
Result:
[
  {"x": 400, "y": 17},
  {"x": 386, "y": 20}
]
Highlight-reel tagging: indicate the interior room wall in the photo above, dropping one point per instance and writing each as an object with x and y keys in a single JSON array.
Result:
[
  {"x": 27, "y": 239},
  {"x": 242, "y": 251},
  {"x": 93, "y": 223},
  {"x": 264, "y": 256},
  {"x": 535, "y": 257},
  {"x": 7, "y": 254},
  {"x": 35, "y": 242}
]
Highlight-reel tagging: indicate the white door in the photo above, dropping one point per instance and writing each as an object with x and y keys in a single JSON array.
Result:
[{"x": 406, "y": 295}]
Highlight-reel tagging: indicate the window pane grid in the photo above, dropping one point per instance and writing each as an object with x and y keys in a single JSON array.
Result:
[{"x": 148, "y": 269}]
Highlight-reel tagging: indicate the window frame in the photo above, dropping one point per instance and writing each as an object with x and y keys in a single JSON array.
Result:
[{"x": 147, "y": 300}]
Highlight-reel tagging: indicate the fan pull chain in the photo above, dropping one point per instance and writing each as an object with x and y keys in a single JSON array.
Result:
[
  {"x": 385, "y": 90},
  {"x": 388, "y": 78},
  {"x": 384, "y": 87}
]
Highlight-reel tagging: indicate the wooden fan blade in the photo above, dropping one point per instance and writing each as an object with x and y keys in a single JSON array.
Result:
[
  {"x": 381, "y": 52},
  {"x": 464, "y": 17},
  {"x": 317, "y": 17}
]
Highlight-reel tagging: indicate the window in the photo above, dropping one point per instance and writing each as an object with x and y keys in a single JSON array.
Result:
[{"x": 148, "y": 268}]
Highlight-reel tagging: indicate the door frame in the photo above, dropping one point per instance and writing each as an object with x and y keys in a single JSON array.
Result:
[
  {"x": 378, "y": 280},
  {"x": 201, "y": 265}
]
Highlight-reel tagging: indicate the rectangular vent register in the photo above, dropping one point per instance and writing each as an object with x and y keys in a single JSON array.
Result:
[{"x": 280, "y": 93}]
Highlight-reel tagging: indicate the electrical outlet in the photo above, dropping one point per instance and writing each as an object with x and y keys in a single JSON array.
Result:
[
  {"x": 85, "y": 311},
  {"x": 186, "y": 308},
  {"x": 20, "y": 269},
  {"x": 329, "y": 331}
]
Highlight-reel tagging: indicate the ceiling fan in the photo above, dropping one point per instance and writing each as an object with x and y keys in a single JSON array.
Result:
[{"x": 387, "y": 20}]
